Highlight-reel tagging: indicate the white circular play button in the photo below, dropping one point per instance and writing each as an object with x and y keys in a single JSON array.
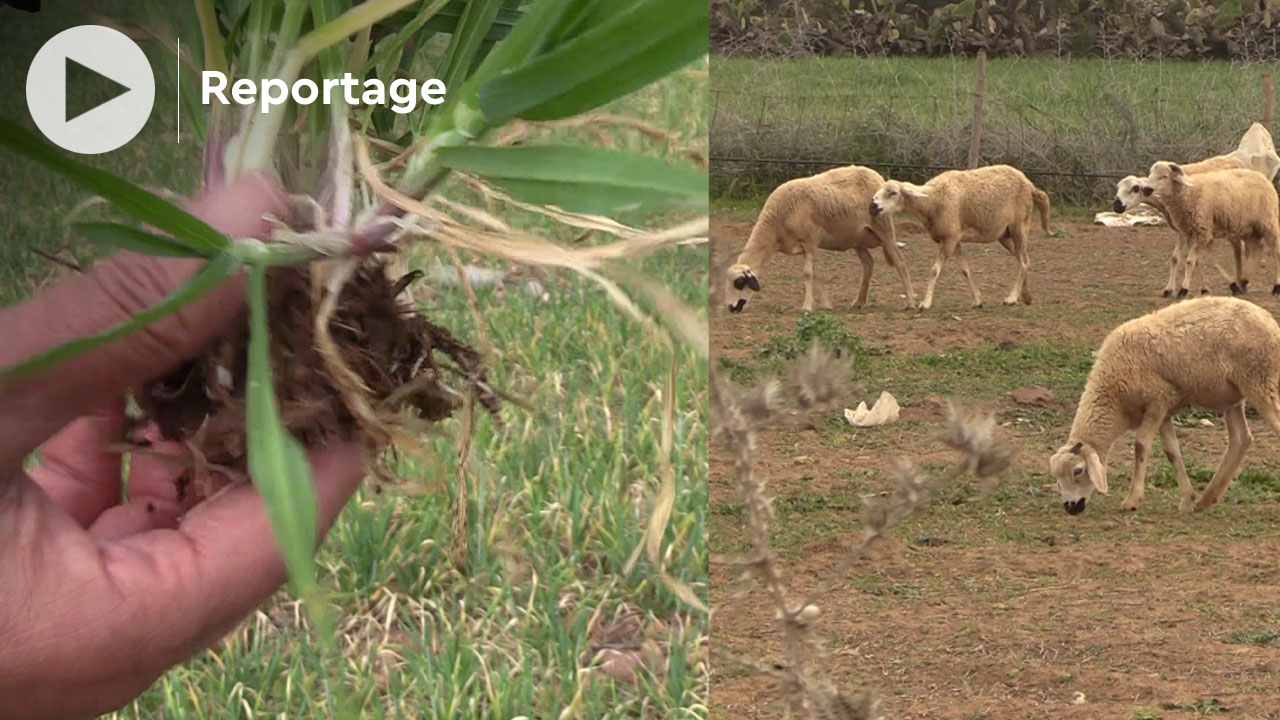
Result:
[{"x": 115, "y": 64}]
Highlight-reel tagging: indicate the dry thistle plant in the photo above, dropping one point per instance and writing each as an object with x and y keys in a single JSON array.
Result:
[{"x": 816, "y": 383}]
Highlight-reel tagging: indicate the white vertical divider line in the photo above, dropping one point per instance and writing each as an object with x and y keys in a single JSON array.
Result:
[{"x": 178, "y": 59}]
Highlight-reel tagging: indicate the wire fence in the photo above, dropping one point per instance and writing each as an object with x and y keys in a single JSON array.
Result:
[{"x": 1073, "y": 128}]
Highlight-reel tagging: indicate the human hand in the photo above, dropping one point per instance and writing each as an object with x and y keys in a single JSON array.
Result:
[{"x": 99, "y": 598}]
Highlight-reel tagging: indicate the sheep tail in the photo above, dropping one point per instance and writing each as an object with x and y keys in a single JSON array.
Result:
[{"x": 1041, "y": 199}]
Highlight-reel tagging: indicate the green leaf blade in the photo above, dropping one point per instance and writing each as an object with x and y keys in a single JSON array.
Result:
[
  {"x": 278, "y": 464},
  {"x": 602, "y": 63},
  {"x": 147, "y": 207},
  {"x": 214, "y": 272},
  {"x": 473, "y": 27},
  {"x": 583, "y": 179},
  {"x": 127, "y": 237}
]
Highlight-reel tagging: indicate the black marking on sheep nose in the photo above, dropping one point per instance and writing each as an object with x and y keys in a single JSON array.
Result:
[
  {"x": 737, "y": 306},
  {"x": 1074, "y": 507},
  {"x": 875, "y": 209},
  {"x": 1118, "y": 206}
]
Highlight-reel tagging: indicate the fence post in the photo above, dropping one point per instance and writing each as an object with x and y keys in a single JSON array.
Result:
[
  {"x": 979, "y": 90},
  {"x": 1268, "y": 101}
]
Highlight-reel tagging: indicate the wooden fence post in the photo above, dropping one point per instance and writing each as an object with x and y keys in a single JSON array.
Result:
[
  {"x": 1268, "y": 101},
  {"x": 979, "y": 90}
]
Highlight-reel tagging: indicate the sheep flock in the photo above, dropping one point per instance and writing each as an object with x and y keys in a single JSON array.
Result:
[{"x": 1201, "y": 351}]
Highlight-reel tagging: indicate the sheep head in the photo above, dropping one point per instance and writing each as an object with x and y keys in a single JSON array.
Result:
[
  {"x": 892, "y": 197},
  {"x": 1080, "y": 471},
  {"x": 1130, "y": 193},
  {"x": 1167, "y": 177},
  {"x": 740, "y": 279}
]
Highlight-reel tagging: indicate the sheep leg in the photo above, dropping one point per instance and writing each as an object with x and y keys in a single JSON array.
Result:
[
  {"x": 1175, "y": 262},
  {"x": 864, "y": 288},
  {"x": 1240, "y": 254},
  {"x": 968, "y": 276},
  {"x": 1238, "y": 441},
  {"x": 1189, "y": 268},
  {"x": 1173, "y": 451},
  {"x": 1273, "y": 242},
  {"x": 1016, "y": 244},
  {"x": 945, "y": 249},
  {"x": 1143, "y": 439},
  {"x": 808, "y": 280},
  {"x": 824, "y": 301},
  {"x": 895, "y": 260}
]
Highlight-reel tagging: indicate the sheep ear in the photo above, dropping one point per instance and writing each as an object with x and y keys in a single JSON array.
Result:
[
  {"x": 918, "y": 193},
  {"x": 1075, "y": 449},
  {"x": 1175, "y": 168},
  {"x": 1097, "y": 471}
]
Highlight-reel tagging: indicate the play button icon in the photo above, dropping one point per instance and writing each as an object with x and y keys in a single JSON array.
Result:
[{"x": 90, "y": 89}]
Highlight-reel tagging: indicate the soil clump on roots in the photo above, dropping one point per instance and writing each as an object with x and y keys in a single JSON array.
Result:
[{"x": 397, "y": 366}]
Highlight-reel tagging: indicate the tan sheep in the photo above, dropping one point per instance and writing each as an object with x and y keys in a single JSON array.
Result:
[
  {"x": 1129, "y": 190},
  {"x": 1133, "y": 191},
  {"x": 988, "y": 204},
  {"x": 1216, "y": 353},
  {"x": 827, "y": 211},
  {"x": 1240, "y": 205}
]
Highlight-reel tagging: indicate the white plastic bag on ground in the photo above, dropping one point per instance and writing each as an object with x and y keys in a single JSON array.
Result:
[
  {"x": 883, "y": 412},
  {"x": 1258, "y": 152},
  {"x": 1134, "y": 217}
]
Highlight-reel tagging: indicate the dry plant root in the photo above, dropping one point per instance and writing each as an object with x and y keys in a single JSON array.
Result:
[{"x": 378, "y": 370}]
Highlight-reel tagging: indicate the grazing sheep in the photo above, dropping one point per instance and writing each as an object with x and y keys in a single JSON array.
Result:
[
  {"x": 1215, "y": 353},
  {"x": 989, "y": 204},
  {"x": 1238, "y": 204},
  {"x": 826, "y": 211}
]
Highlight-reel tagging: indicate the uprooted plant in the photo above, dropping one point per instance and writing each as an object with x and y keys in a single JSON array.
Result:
[
  {"x": 816, "y": 383},
  {"x": 329, "y": 348}
]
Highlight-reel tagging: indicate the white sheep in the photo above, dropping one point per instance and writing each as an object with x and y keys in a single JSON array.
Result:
[
  {"x": 1215, "y": 353},
  {"x": 989, "y": 204},
  {"x": 1133, "y": 191},
  {"x": 828, "y": 211},
  {"x": 1240, "y": 205}
]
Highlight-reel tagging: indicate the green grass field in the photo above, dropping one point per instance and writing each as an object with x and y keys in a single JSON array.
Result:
[
  {"x": 1068, "y": 116},
  {"x": 559, "y": 496}
]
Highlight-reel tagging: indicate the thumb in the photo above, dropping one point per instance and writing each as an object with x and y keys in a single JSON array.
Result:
[{"x": 36, "y": 406}]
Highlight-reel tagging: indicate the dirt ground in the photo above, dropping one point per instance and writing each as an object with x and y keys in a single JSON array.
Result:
[{"x": 1001, "y": 606}]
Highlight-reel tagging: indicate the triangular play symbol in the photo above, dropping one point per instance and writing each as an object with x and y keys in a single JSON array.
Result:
[{"x": 87, "y": 89}]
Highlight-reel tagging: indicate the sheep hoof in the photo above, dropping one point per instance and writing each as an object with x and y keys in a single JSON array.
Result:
[
  {"x": 1167, "y": 293},
  {"x": 1275, "y": 289},
  {"x": 1187, "y": 505},
  {"x": 1009, "y": 303},
  {"x": 977, "y": 306},
  {"x": 1129, "y": 505},
  {"x": 1236, "y": 289},
  {"x": 1182, "y": 293},
  {"x": 1204, "y": 291}
]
